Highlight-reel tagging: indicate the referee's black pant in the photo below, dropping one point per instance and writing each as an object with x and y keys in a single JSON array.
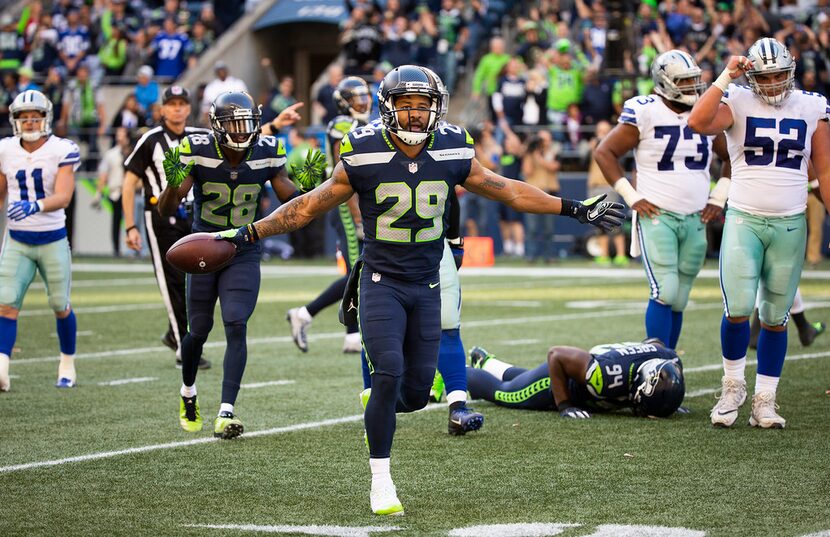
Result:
[{"x": 162, "y": 232}]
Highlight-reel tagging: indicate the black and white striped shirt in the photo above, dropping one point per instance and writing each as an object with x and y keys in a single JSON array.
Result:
[{"x": 146, "y": 160}]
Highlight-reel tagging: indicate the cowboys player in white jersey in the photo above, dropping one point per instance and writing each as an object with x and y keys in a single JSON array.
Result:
[
  {"x": 771, "y": 130},
  {"x": 672, "y": 196},
  {"x": 37, "y": 179}
]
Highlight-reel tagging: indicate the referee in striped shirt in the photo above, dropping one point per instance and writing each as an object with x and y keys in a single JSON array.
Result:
[{"x": 144, "y": 166}]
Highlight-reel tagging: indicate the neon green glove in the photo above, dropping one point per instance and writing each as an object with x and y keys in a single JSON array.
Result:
[
  {"x": 175, "y": 170},
  {"x": 312, "y": 172}
]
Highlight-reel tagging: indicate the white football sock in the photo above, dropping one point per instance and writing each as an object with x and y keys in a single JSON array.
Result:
[
  {"x": 456, "y": 396},
  {"x": 303, "y": 314},
  {"x": 734, "y": 369},
  {"x": 5, "y": 383},
  {"x": 798, "y": 303},
  {"x": 188, "y": 391},
  {"x": 380, "y": 471},
  {"x": 496, "y": 367},
  {"x": 66, "y": 369},
  {"x": 226, "y": 407},
  {"x": 764, "y": 383}
]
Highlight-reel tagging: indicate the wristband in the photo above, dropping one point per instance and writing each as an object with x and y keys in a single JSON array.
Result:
[
  {"x": 813, "y": 184},
  {"x": 39, "y": 204},
  {"x": 628, "y": 193},
  {"x": 720, "y": 193},
  {"x": 568, "y": 208},
  {"x": 130, "y": 229},
  {"x": 723, "y": 81}
]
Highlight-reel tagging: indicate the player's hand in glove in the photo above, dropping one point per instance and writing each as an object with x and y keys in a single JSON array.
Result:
[
  {"x": 457, "y": 249},
  {"x": 239, "y": 237},
  {"x": 175, "y": 170},
  {"x": 310, "y": 173},
  {"x": 574, "y": 412},
  {"x": 605, "y": 215},
  {"x": 23, "y": 208}
]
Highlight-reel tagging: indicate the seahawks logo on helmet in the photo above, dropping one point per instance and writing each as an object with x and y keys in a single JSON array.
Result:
[
  {"x": 658, "y": 387},
  {"x": 770, "y": 57},
  {"x": 412, "y": 80},
  {"x": 234, "y": 119},
  {"x": 676, "y": 77},
  {"x": 353, "y": 99},
  {"x": 31, "y": 100}
]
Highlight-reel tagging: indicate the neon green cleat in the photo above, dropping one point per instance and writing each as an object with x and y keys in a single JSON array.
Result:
[
  {"x": 437, "y": 390},
  {"x": 364, "y": 398},
  {"x": 384, "y": 500},
  {"x": 227, "y": 426},
  {"x": 190, "y": 417},
  {"x": 621, "y": 261}
]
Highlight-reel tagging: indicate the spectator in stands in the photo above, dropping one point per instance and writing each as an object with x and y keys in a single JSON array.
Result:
[
  {"x": 208, "y": 17},
  {"x": 399, "y": 42},
  {"x": 426, "y": 42},
  {"x": 380, "y": 71},
  {"x": 361, "y": 41},
  {"x": 509, "y": 98},
  {"x": 83, "y": 114},
  {"x": 113, "y": 54},
  {"x": 535, "y": 107},
  {"x": 138, "y": 54},
  {"x": 11, "y": 44},
  {"x": 119, "y": 13},
  {"x": 324, "y": 102},
  {"x": 24, "y": 80},
  {"x": 219, "y": 85},
  {"x": 281, "y": 98},
  {"x": 8, "y": 91},
  {"x": 170, "y": 47},
  {"x": 597, "y": 185},
  {"x": 531, "y": 43},
  {"x": 110, "y": 180},
  {"x": 596, "y": 98},
  {"x": 43, "y": 52},
  {"x": 130, "y": 115},
  {"x": 147, "y": 89},
  {"x": 452, "y": 37},
  {"x": 73, "y": 42},
  {"x": 170, "y": 10},
  {"x": 53, "y": 88},
  {"x": 511, "y": 222},
  {"x": 489, "y": 68},
  {"x": 200, "y": 40},
  {"x": 540, "y": 167},
  {"x": 564, "y": 85}
]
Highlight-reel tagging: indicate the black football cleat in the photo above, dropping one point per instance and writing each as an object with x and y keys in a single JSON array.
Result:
[{"x": 464, "y": 420}]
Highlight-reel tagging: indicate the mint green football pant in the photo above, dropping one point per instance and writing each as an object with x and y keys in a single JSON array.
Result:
[
  {"x": 20, "y": 261},
  {"x": 674, "y": 249},
  {"x": 766, "y": 252}
]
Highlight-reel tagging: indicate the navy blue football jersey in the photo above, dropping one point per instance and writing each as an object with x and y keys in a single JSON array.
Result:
[
  {"x": 404, "y": 201},
  {"x": 337, "y": 129},
  {"x": 225, "y": 197},
  {"x": 609, "y": 380}
]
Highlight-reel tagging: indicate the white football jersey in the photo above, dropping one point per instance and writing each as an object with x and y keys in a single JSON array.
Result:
[
  {"x": 770, "y": 147},
  {"x": 672, "y": 160},
  {"x": 31, "y": 176}
]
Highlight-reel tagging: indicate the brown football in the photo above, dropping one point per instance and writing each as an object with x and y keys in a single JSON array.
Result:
[{"x": 200, "y": 253}]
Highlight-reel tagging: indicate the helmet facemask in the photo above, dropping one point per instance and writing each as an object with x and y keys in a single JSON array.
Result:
[
  {"x": 676, "y": 77},
  {"x": 237, "y": 130},
  {"x": 411, "y": 137},
  {"x": 31, "y": 101},
  {"x": 352, "y": 98},
  {"x": 773, "y": 93},
  {"x": 411, "y": 80},
  {"x": 771, "y": 57}
]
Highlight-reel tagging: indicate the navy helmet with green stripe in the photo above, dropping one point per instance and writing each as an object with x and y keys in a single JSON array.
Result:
[{"x": 353, "y": 99}]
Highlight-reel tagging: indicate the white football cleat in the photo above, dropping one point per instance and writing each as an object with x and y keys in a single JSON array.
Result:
[
  {"x": 733, "y": 395},
  {"x": 384, "y": 499},
  {"x": 352, "y": 344},
  {"x": 764, "y": 413},
  {"x": 66, "y": 372},
  {"x": 300, "y": 321},
  {"x": 5, "y": 382}
]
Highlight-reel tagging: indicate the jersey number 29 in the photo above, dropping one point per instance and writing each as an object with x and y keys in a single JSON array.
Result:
[{"x": 429, "y": 197}]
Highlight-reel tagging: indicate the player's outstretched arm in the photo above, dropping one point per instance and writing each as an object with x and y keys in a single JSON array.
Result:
[
  {"x": 296, "y": 213},
  {"x": 709, "y": 115},
  {"x": 567, "y": 363},
  {"x": 820, "y": 159}
]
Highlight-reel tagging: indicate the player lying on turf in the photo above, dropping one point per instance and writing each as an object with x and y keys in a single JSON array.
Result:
[{"x": 646, "y": 377}]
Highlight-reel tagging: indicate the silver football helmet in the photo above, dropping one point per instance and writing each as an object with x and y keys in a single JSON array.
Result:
[
  {"x": 670, "y": 71},
  {"x": 770, "y": 57},
  {"x": 27, "y": 101}
]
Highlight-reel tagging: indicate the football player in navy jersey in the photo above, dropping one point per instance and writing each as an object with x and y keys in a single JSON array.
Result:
[
  {"x": 646, "y": 377},
  {"x": 227, "y": 170},
  {"x": 402, "y": 173}
]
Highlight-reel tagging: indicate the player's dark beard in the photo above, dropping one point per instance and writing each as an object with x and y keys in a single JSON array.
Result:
[{"x": 414, "y": 122}]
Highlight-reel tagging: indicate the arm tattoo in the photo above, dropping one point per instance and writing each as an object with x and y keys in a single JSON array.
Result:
[
  {"x": 494, "y": 183},
  {"x": 325, "y": 195},
  {"x": 286, "y": 218}
]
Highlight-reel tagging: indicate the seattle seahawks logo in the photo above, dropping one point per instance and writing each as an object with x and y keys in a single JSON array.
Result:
[{"x": 598, "y": 211}]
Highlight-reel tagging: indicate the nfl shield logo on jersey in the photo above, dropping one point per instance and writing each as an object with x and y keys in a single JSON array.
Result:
[
  {"x": 413, "y": 167},
  {"x": 376, "y": 277}
]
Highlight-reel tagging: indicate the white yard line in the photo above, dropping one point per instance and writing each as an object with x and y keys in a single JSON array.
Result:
[
  {"x": 127, "y": 381},
  {"x": 704, "y": 391},
  {"x": 316, "y": 529},
  {"x": 512, "y": 342},
  {"x": 194, "y": 442},
  {"x": 264, "y": 384}
]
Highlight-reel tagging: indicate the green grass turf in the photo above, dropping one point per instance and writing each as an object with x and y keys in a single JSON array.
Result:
[{"x": 522, "y": 467}]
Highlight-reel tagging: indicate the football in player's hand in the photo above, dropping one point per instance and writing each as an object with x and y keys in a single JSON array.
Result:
[{"x": 200, "y": 253}]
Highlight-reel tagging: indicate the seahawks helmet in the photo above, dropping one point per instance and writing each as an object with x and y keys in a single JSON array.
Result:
[
  {"x": 411, "y": 80},
  {"x": 234, "y": 119},
  {"x": 353, "y": 99},
  {"x": 26, "y": 101},
  {"x": 670, "y": 69},
  {"x": 658, "y": 388},
  {"x": 769, "y": 56}
]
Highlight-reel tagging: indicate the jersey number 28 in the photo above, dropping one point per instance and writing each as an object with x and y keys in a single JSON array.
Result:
[{"x": 243, "y": 198}]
